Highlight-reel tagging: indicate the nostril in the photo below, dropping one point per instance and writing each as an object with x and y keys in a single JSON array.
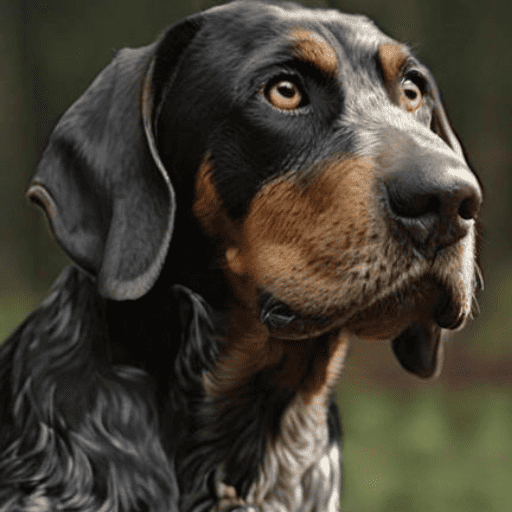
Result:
[
  {"x": 413, "y": 205},
  {"x": 465, "y": 210},
  {"x": 468, "y": 208}
]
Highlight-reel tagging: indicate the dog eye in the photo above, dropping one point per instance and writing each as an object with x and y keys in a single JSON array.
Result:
[
  {"x": 284, "y": 94},
  {"x": 412, "y": 95}
]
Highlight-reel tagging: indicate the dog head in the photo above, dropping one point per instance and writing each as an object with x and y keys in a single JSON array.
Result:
[{"x": 301, "y": 156}]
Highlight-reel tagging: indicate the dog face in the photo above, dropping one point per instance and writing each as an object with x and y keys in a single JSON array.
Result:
[
  {"x": 330, "y": 128},
  {"x": 310, "y": 151}
]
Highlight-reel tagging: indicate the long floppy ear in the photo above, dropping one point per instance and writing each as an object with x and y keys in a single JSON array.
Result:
[
  {"x": 440, "y": 123},
  {"x": 101, "y": 182},
  {"x": 419, "y": 349}
]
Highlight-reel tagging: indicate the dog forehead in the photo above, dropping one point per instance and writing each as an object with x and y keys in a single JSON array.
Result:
[{"x": 245, "y": 18}]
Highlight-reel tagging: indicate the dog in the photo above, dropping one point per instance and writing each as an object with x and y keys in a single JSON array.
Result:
[{"x": 240, "y": 198}]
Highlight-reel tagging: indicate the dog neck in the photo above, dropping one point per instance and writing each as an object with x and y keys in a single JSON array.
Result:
[
  {"x": 298, "y": 470},
  {"x": 261, "y": 426}
]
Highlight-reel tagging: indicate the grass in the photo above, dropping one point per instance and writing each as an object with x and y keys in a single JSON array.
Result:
[{"x": 432, "y": 450}]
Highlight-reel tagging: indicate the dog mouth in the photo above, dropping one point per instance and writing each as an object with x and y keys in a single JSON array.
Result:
[
  {"x": 425, "y": 300},
  {"x": 283, "y": 321},
  {"x": 449, "y": 312}
]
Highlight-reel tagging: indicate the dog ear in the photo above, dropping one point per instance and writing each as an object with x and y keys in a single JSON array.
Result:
[
  {"x": 440, "y": 123},
  {"x": 101, "y": 182},
  {"x": 419, "y": 349}
]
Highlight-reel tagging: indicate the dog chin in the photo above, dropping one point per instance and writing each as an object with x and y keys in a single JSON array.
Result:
[{"x": 425, "y": 301}]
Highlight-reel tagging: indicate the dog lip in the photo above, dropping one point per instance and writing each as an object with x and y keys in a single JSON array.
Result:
[
  {"x": 427, "y": 299},
  {"x": 435, "y": 300},
  {"x": 285, "y": 322},
  {"x": 448, "y": 312}
]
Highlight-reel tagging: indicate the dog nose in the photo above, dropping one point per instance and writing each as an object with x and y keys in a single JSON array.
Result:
[{"x": 434, "y": 204}]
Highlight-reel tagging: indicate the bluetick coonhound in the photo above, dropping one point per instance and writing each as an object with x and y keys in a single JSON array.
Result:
[{"x": 241, "y": 198}]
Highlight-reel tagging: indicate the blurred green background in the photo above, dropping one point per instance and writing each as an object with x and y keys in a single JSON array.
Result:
[{"x": 409, "y": 445}]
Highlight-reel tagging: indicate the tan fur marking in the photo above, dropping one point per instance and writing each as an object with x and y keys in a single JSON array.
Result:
[
  {"x": 309, "y": 46},
  {"x": 247, "y": 351},
  {"x": 235, "y": 264},
  {"x": 207, "y": 203},
  {"x": 295, "y": 237},
  {"x": 392, "y": 58},
  {"x": 320, "y": 395},
  {"x": 293, "y": 244},
  {"x": 327, "y": 373},
  {"x": 208, "y": 208}
]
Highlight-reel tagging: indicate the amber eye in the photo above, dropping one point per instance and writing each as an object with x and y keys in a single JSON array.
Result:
[
  {"x": 284, "y": 95},
  {"x": 412, "y": 95}
]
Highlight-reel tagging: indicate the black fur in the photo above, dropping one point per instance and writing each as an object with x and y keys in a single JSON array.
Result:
[{"x": 104, "y": 393}]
